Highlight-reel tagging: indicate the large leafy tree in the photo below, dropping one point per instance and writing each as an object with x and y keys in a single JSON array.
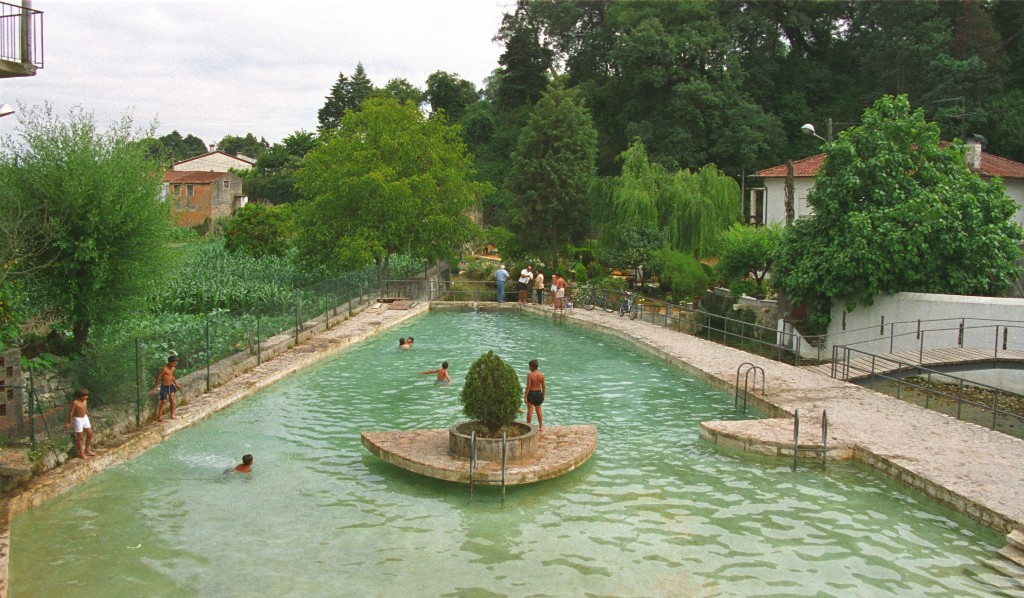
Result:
[
  {"x": 448, "y": 93},
  {"x": 895, "y": 210},
  {"x": 748, "y": 252},
  {"x": 97, "y": 193},
  {"x": 388, "y": 180},
  {"x": 523, "y": 76},
  {"x": 247, "y": 146},
  {"x": 552, "y": 169},
  {"x": 272, "y": 177},
  {"x": 173, "y": 147}
]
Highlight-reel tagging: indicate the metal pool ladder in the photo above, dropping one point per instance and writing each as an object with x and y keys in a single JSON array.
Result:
[
  {"x": 824, "y": 437},
  {"x": 504, "y": 463},
  {"x": 746, "y": 369}
]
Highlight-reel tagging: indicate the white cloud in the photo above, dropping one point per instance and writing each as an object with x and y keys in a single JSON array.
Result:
[{"x": 231, "y": 67}]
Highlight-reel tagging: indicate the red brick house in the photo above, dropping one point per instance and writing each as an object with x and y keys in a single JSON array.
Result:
[{"x": 198, "y": 195}]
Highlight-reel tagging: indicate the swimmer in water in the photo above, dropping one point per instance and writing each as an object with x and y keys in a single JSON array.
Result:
[
  {"x": 442, "y": 374},
  {"x": 244, "y": 467},
  {"x": 405, "y": 343}
]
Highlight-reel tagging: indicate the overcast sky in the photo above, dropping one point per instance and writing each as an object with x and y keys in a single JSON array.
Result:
[{"x": 219, "y": 67}]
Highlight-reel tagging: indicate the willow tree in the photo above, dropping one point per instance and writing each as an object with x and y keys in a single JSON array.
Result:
[
  {"x": 629, "y": 230},
  {"x": 698, "y": 207}
]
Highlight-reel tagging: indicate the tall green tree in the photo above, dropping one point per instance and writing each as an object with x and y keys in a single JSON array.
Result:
[
  {"x": 401, "y": 90},
  {"x": 387, "y": 181},
  {"x": 552, "y": 169},
  {"x": 748, "y": 252},
  {"x": 246, "y": 146},
  {"x": 335, "y": 104},
  {"x": 97, "y": 191},
  {"x": 895, "y": 210},
  {"x": 272, "y": 177},
  {"x": 450, "y": 94},
  {"x": 525, "y": 63},
  {"x": 173, "y": 147}
]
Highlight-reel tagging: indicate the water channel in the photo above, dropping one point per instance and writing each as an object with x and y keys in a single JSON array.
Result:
[{"x": 655, "y": 512}]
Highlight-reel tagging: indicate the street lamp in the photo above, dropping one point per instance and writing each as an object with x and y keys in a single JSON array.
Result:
[
  {"x": 808, "y": 129},
  {"x": 6, "y": 110}
]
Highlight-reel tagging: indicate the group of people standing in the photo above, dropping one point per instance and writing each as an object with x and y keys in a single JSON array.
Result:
[{"x": 528, "y": 279}]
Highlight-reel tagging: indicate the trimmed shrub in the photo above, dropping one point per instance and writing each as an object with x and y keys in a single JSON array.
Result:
[{"x": 492, "y": 393}]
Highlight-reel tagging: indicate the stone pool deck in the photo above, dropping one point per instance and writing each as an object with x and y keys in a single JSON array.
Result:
[
  {"x": 967, "y": 467},
  {"x": 561, "y": 449}
]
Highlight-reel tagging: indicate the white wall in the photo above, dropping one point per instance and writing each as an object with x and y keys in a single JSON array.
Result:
[
  {"x": 775, "y": 198},
  {"x": 894, "y": 320},
  {"x": 213, "y": 163}
]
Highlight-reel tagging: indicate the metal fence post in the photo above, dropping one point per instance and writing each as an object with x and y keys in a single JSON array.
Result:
[
  {"x": 31, "y": 409},
  {"x": 259, "y": 342},
  {"x": 138, "y": 385},
  {"x": 209, "y": 356}
]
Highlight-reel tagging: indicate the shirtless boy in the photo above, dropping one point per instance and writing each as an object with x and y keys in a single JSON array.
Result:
[
  {"x": 245, "y": 466},
  {"x": 79, "y": 412},
  {"x": 442, "y": 374},
  {"x": 168, "y": 385},
  {"x": 535, "y": 391}
]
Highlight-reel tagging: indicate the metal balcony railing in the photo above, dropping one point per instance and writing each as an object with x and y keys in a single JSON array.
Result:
[{"x": 21, "y": 38}]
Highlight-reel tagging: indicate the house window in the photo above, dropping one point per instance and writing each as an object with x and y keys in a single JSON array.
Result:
[
  {"x": 227, "y": 184},
  {"x": 189, "y": 190},
  {"x": 177, "y": 189}
]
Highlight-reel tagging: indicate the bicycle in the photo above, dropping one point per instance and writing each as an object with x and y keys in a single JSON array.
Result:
[{"x": 630, "y": 305}]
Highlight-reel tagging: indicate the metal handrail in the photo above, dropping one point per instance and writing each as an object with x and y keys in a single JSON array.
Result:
[
  {"x": 472, "y": 461},
  {"x": 846, "y": 365}
]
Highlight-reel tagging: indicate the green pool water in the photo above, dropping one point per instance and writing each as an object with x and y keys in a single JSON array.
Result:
[{"x": 655, "y": 512}]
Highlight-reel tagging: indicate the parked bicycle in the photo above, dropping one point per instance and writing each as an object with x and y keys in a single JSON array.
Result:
[
  {"x": 590, "y": 297},
  {"x": 630, "y": 305}
]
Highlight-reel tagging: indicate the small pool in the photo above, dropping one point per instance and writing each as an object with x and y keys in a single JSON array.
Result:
[{"x": 655, "y": 512}]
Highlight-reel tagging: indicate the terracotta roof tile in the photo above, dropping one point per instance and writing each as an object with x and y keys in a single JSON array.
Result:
[{"x": 991, "y": 165}]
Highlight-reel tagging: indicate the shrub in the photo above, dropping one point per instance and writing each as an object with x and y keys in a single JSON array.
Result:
[
  {"x": 580, "y": 273},
  {"x": 477, "y": 269},
  {"x": 681, "y": 273},
  {"x": 259, "y": 231},
  {"x": 492, "y": 393}
]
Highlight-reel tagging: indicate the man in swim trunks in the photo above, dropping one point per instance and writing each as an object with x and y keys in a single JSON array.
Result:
[
  {"x": 168, "y": 385},
  {"x": 442, "y": 374},
  {"x": 80, "y": 413},
  {"x": 535, "y": 390}
]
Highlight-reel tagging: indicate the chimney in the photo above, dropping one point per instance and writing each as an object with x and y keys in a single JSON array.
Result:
[
  {"x": 973, "y": 155},
  {"x": 212, "y": 147}
]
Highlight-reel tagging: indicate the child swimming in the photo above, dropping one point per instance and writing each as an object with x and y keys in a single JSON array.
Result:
[{"x": 442, "y": 373}]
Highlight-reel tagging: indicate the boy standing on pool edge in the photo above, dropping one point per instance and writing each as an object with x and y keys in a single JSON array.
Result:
[
  {"x": 536, "y": 387},
  {"x": 168, "y": 386}
]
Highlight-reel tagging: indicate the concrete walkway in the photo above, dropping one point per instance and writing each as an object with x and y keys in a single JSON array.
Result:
[{"x": 965, "y": 466}]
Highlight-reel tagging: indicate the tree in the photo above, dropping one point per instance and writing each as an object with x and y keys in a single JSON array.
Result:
[
  {"x": 447, "y": 93},
  {"x": 748, "y": 251},
  {"x": 387, "y": 181},
  {"x": 525, "y": 63},
  {"x": 680, "y": 273},
  {"x": 335, "y": 104},
  {"x": 247, "y": 146},
  {"x": 402, "y": 91},
  {"x": 272, "y": 177},
  {"x": 492, "y": 393},
  {"x": 346, "y": 96},
  {"x": 99, "y": 192},
  {"x": 259, "y": 230},
  {"x": 173, "y": 147},
  {"x": 895, "y": 210},
  {"x": 552, "y": 169}
]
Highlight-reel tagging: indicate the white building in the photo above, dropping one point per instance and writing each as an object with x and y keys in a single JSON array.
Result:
[
  {"x": 767, "y": 205},
  {"x": 215, "y": 161}
]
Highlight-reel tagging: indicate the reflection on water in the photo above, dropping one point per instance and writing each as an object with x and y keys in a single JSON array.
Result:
[{"x": 654, "y": 512}]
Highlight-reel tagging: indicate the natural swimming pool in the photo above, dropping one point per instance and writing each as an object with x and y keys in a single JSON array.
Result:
[{"x": 654, "y": 512}]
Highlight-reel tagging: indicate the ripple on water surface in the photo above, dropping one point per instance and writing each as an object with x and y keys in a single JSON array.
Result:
[{"x": 654, "y": 512}]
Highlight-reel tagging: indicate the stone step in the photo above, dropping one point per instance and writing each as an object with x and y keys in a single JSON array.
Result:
[
  {"x": 1010, "y": 580},
  {"x": 1016, "y": 539},
  {"x": 1013, "y": 554}
]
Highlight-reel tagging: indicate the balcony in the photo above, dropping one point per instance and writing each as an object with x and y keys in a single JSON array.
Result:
[{"x": 21, "y": 40}]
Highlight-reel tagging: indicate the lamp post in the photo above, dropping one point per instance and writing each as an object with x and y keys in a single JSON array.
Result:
[
  {"x": 808, "y": 129},
  {"x": 6, "y": 110}
]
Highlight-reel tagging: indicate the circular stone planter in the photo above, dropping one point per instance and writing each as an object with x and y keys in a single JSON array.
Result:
[{"x": 522, "y": 446}]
